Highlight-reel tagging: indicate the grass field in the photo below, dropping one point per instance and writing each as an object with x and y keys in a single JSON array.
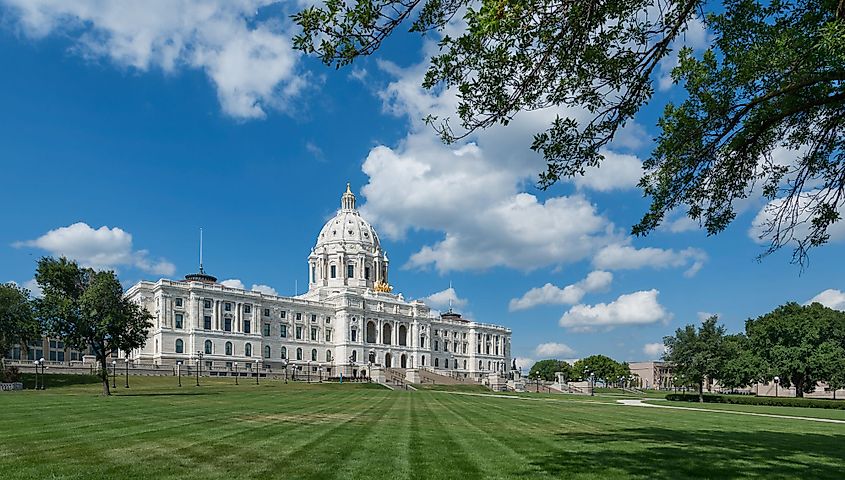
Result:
[{"x": 156, "y": 430}]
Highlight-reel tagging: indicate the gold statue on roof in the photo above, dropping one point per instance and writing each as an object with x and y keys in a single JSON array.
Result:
[{"x": 383, "y": 287}]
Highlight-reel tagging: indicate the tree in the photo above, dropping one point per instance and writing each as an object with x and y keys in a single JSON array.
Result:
[
  {"x": 742, "y": 366},
  {"x": 87, "y": 309},
  {"x": 798, "y": 343},
  {"x": 603, "y": 367},
  {"x": 774, "y": 77},
  {"x": 547, "y": 369},
  {"x": 17, "y": 322},
  {"x": 697, "y": 355}
]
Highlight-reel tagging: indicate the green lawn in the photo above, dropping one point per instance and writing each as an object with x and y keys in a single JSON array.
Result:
[{"x": 155, "y": 430}]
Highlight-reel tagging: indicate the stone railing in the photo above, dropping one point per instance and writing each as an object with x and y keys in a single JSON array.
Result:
[{"x": 9, "y": 387}]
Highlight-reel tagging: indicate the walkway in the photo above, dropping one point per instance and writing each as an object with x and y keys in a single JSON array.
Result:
[{"x": 640, "y": 403}]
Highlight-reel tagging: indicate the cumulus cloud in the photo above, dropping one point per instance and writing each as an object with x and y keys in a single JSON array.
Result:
[
  {"x": 248, "y": 59},
  {"x": 617, "y": 172},
  {"x": 638, "y": 308},
  {"x": 803, "y": 219},
  {"x": 654, "y": 350},
  {"x": 702, "y": 316},
  {"x": 102, "y": 249},
  {"x": 627, "y": 257},
  {"x": 550, "y": 294},
  {"x": 442, "y": 298},
  {"x": 830, "y": 298},
  {"x": 237, "y": 283},
  {"x": 525, "y": 363},
  {"x": 552, "y": 349}
]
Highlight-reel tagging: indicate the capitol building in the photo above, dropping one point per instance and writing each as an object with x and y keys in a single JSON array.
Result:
[{"x": 348, "y": 321}]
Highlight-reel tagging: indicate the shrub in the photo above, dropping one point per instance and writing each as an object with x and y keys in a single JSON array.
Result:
[
  {"x": 11, "y": 375},
  {"x": 767, "y": 401}
]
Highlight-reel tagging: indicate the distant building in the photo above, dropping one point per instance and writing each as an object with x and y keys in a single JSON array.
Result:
[{"x": 653, "y": 375}]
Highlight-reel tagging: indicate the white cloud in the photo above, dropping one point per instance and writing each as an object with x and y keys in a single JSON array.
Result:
[
  {"x": 702, "y": 316},
  {"x": 315, "y": 150},
  {"x": 802, "y": 219},
  {"x": 830, "y": 298},
  {"x": 638, "y": 308},
  {"x": 695, "y": 37},
  {"x": 550, "y": 294},
  {"x": 233, "y": 283},
  {"x": 249, "y": 60},
  {"x": 34, "y": 288},
  {"x": 627, "y": 257},
  {"x": 552, "y": 349},
  {"x": 654, "y": 350},
  {"x": 525, "y": 363},
  {"x": 102, "y": 249},
  {"x": 237, "y": 283},
  {"x": 441, "y": 299},
  {"x": 265, "y": 289},
  {"x": 617, "y": 172}
]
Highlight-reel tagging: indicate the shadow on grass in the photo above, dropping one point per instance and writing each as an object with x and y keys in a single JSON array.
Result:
[
  {"x": 160, "y": 394},
  {"x": 58, "y": 380},
  {"x": 657, "y": 453}
]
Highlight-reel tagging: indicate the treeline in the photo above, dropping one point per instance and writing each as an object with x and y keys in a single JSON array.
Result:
[
  {"x": 794, "y": 345},
  {"x": 82, "y": 307},
  {"x": 599, "y": 368}
]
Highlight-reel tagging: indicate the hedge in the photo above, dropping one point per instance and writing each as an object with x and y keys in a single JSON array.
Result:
[{"x": 751, "y": 400}]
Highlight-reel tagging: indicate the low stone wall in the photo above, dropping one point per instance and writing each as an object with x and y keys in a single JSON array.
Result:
[{"x": 9, "y": 387}]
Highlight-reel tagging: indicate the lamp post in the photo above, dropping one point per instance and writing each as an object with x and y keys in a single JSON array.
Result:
[
  {"x": 199, "y": 365},
  {"x": 43, "y": 374},
  {"x": 35, "y": 363},
  {"x": 308, "y": 372},
  {"x": 114, "y": 374},
  {"x": 236, "y": 373},
  {"x": 126, "y": 360},
  {"x": 285, "y": 366},
  {"x": 777, "y": 380},
  {"x": 256, "y": 372},
  {"x": 179, "y": 371}
]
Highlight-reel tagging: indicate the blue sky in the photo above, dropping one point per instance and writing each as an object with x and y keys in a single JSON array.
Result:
[{"x": 124, "y": 131}]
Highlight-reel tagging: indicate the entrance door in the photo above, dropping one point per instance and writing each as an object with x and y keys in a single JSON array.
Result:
[
  {"x": 387, "y": 360},
  {"x": 403, "y": 361}
]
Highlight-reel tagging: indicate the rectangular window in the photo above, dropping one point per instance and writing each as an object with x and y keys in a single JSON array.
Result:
[
  {"x": 367, "y": 273},
  {"x": 52, "y": 355},
  {"x": 74, "y": 356},
  {"x": 350, "y": 271},
  {"x": 354, "y": 335},
  {"x": 178, "y": 302},
  {"x": 227, "y": 324},
  {"x": 298, "y": 332},
  {"x": 313, "y": 318},
  {"x": 328, "y": 320},
  {"x": 436, "y": 346},
  {"x": 228, "y": 365},
  {"x": 179, "y": 320},
  {"x": 283, "y": 329},
  {"x": 266, "y": 331},
  {"x": 266, "y": 312},
  {"x": 333, "y": 271},
  {"x": 227, "y": 307},
  {"x": 284, "y": 314},
  {"x": 247, "y": 308},
  {"x": 247, "y": 326},
  {"x": 207, "y": 304},
  {"x": 314, "y": 334},
  {"x": 208, "y": 365},
  {"x": 52, "y": 344},
  {"x": 445, "y": 346},
  {"x": 328, "y": 335},
  {"x": 299, "y": 316},
  {"x": 60, "y": 356},
  {"x": 206, "y": 322}
]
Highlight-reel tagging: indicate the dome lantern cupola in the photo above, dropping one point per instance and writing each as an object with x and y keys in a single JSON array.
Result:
[{"x": 347, "y": 200}]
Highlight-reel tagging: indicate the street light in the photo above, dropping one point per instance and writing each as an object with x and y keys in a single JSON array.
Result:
[
  {"x": 43, "y": 374},
  {"x": 320, "y": 370},
  {"x": 285, "y": 366},
  {"x": 199, "y": 365},
  {"x": 179, "y": 371},
  {"x": 308, "y": 372},
  {"x": 256, "y": 371},
  {"x": 126, "y": 360},
  {"x": 236, "y": 373},
  {"x": 114, "y": 374},
  {"x": 36, "y": 373},
  {"x": 777, "y": 380}
]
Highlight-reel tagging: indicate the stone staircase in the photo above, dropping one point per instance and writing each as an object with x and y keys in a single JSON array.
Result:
[{"x": 428, "y": 376}]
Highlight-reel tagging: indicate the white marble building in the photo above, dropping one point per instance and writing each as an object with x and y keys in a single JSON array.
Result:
[{"x": 346, "y": 321}]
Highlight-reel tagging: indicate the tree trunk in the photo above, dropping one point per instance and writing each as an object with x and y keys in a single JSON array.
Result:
[
  {"x": 104, "y": 374},
  {"x": 799, "y": 386},
  {"x": 701, "y": 391}
]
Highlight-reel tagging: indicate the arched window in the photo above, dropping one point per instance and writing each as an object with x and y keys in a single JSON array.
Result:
[
  {"x": 208, "y": 347},
  {"x": 328, "y": 355},
  {"x": 266, "y": 351},
  {"x": 180, "y": 346},
  {"x": 371, "y": 332},
  {"x": 228, "y": 348},
  {"x": 436, "y": 362},
  {"x": 480, "y": 365},
  {"x": 489, "y": 365},
  {"x": 446, "y": 363},
  {"x": 248, "y": 349},
  {"x": 386, "y": 334},
  {"x": 354, "y": 355},
  {"x": 423, "y": 361},
  {"x": 299, "y": 354},
  {"x": 403, "y": 335},
  {"x": 284, "y": 353},
  {"x": 465, "y": 364},
  {"x": 314, "y": 354}
]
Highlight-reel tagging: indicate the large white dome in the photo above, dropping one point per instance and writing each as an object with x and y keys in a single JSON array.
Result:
[{"x": 348, "y": 227}]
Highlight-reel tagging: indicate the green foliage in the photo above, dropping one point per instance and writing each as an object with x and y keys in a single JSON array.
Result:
[
  {"x": 801, "y": 344},
  {"x": 85, "y": 308},
  {"x": 604, "y": 368},
  {"x": 742, "y": 366},
  {"x": 17, "y": 321},
  {"x": 546, "y": 369},
  {"x": 752, "y": 400},
  {"x": 774, "y": 77},
  {"x": 697, "y": 354}
]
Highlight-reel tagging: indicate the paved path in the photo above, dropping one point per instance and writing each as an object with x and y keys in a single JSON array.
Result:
[{"x": 640, "y": 403}]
